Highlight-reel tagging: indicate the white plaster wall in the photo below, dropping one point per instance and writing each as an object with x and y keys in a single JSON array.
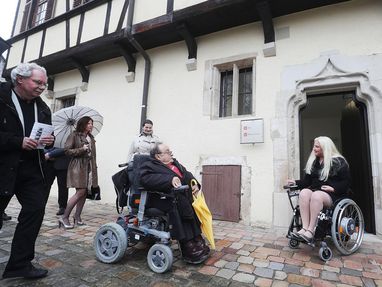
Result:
[
  {"x": 180, "y": 4},
  {"x": 33, "y": 47},
  {"x": 94, "y": 23},
  {"x": 179, "y": 93},
  {"x": 14, "y": 54},
  {"x": 55, "y": 39},
  {"x": 119, "y": 102},
  {"x": 176, "y": 95},
  {"x": 60, "y": 7},
  {"x": 74, "y": 24},
  {"x": 148, "y": 9},
  {"x": 116, "y": 8},
  {"x": 19, "y": 19}
]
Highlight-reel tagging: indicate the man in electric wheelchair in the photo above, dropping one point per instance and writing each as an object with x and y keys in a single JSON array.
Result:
[
  {"x": 162, "y": 173},
  {"x": 325, "y": 187}
]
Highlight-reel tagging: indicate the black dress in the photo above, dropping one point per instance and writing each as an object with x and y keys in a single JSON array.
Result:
[{"x": 339, "y": 178}]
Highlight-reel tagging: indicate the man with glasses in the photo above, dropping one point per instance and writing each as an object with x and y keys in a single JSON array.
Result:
[
  {"x": 162, "y": 173},
  {"x": 22, "y": 164}
]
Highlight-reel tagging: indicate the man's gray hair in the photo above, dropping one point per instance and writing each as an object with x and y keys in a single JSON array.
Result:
[
  {"x": 25, "y": 70},
  {"x": 155, "y": 150}
]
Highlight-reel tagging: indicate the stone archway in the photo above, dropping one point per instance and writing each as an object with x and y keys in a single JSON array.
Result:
[{"x": 329, "y": 73}]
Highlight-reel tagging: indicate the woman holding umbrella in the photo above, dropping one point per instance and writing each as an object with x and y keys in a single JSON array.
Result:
[{"x": 82, "y": 170}]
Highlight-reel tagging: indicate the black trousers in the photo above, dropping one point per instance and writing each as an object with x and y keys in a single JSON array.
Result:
[
  {"x": 184, "y": 225},
  {"x": 61, "y": 174},
  {"x": 31, "y": 192}
]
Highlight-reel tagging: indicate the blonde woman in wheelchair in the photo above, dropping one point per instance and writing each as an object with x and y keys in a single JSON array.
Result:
[{"x": 327, "y": 179}]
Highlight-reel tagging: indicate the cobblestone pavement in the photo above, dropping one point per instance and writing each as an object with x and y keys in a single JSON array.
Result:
[{"x": 244, "y": 256}]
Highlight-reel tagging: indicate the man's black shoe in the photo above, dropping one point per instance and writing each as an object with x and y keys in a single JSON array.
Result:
[
  {"x": 61, "y": 211},
  {"x": 6, "y": 217},
  {"x": 29, "y": 273}
]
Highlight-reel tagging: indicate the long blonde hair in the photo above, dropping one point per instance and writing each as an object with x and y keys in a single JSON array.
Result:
[{"x": 329, "y": 152}]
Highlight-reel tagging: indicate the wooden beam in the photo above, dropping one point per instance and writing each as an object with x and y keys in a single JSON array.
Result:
[
  {"x": 128, "y": 56},
  {"x": 80, "y": 28},
  {"x": 83, "y": 70},
  {"x": 107, "y": 20},
  {"x": 170, "y": 6},
  {"x": 265, "y": 14},
  {"x": 42, "y": 45},
  {"x": 123, "y": 15},
  {"x": 192, "y": 47},
  {"x": 50, "y": 84}
]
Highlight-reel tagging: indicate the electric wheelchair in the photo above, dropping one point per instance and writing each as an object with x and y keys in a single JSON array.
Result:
[
  {"x": 343, "y": 222},
  {"x": 138, "y": 223}
]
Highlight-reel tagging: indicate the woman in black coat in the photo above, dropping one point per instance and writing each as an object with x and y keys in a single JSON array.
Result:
[
  {"x": 327, "y": 178},
  {"x": 162, "y": 173}
]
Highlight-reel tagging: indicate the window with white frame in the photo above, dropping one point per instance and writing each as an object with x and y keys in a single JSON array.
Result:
[
  {"x": 36, "y": 13},
  {"x": 41, "y": 12},
  {"x": 77, "y": 3},
  {"x": 230, "y": 86},
  {"x": 63, "y": 99}
]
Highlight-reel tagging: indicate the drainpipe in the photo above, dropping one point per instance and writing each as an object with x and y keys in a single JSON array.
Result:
[{"x": 139, "y": 48}]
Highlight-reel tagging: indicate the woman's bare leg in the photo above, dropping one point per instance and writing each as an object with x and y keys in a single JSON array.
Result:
[
  {"x": 318, "y": 200},
  {"x": 304, "y": 203}
]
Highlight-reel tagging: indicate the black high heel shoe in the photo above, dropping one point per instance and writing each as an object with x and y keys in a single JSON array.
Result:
[
  {"x": 61, "y": 223},
  {"x": 79, "y": 223}
]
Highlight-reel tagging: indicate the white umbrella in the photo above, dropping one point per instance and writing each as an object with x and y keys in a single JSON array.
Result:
[{"x": 65, "y": 121}]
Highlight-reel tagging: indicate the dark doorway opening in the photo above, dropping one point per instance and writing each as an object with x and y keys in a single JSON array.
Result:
[{"x": 344, "y": 119}]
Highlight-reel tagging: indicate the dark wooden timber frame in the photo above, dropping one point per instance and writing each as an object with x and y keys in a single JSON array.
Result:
[
  {"x": 190, "y": 40},
  {"x": 181, "y": 25}
]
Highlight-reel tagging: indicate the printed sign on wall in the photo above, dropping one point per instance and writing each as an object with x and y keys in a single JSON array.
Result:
[{"x": 252, "y": 131}]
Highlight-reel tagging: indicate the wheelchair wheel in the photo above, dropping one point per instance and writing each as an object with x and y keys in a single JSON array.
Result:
[
  {"x": 110, "y": 243},
  {"x": 160, "y": 258},
  {"x": 347, "y": 226},
  {"x": 325, "y": 253},
  {"x": 293, "y": 243}
]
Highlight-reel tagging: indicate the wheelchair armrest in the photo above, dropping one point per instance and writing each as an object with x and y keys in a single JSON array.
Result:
[
  {"x": 123, "y": 164},
  {"x": 292, "y": 190},
  {"x": 291, "y": 187},
  {"x": 180, "y": 188},
  {"x": 170, "y": 194}
]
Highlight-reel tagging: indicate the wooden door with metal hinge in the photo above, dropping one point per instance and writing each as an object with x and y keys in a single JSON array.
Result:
[{"x": 222, "y": 190}]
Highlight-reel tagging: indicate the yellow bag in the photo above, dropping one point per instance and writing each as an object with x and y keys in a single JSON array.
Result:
[{"x": 204, "y": 215}]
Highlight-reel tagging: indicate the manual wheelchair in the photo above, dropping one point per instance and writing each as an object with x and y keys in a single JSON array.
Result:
[
  {"x": 138, "y": 224},
  {"x": 343, "y": 222}
]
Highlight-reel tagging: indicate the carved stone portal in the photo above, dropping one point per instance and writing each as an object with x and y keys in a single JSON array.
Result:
[{"x": 329, "y": 73}]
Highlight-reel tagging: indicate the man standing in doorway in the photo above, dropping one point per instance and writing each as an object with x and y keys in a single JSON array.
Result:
[{"x": 22, "y": 164}]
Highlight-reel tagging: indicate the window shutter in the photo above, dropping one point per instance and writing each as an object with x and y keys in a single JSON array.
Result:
[
  {"x": 25, "y": 17},
  {"x": 49, "y": 10},
  {"x": 77, "y": 3}
]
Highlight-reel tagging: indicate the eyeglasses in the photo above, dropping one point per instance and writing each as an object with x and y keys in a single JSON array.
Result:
[
  {"x": 169, "y": 152},
  {"x": 39, "y": 83}
]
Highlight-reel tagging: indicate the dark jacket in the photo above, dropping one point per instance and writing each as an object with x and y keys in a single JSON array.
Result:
[
  {"x": 339, "y": 178},
  {"x": 57, "y": 158},
  {"x": 155, "y": 176},
  {"x": 11, "y": 138}
]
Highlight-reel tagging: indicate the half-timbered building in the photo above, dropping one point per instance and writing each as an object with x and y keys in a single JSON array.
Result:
[{"x": 237, "y": 88}]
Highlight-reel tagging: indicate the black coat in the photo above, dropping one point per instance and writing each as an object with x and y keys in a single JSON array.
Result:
[
  {"x": 11, "y": 138},
  {"x": 339, "y": 178},
  {"x": 155, "y": 176}
]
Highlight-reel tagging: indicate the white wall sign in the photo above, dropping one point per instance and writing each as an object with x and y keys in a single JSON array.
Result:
[{"x": 252, "y": 131}]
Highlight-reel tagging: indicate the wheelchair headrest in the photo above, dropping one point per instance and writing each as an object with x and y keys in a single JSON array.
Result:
[{"x": 139, "y": 159}]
